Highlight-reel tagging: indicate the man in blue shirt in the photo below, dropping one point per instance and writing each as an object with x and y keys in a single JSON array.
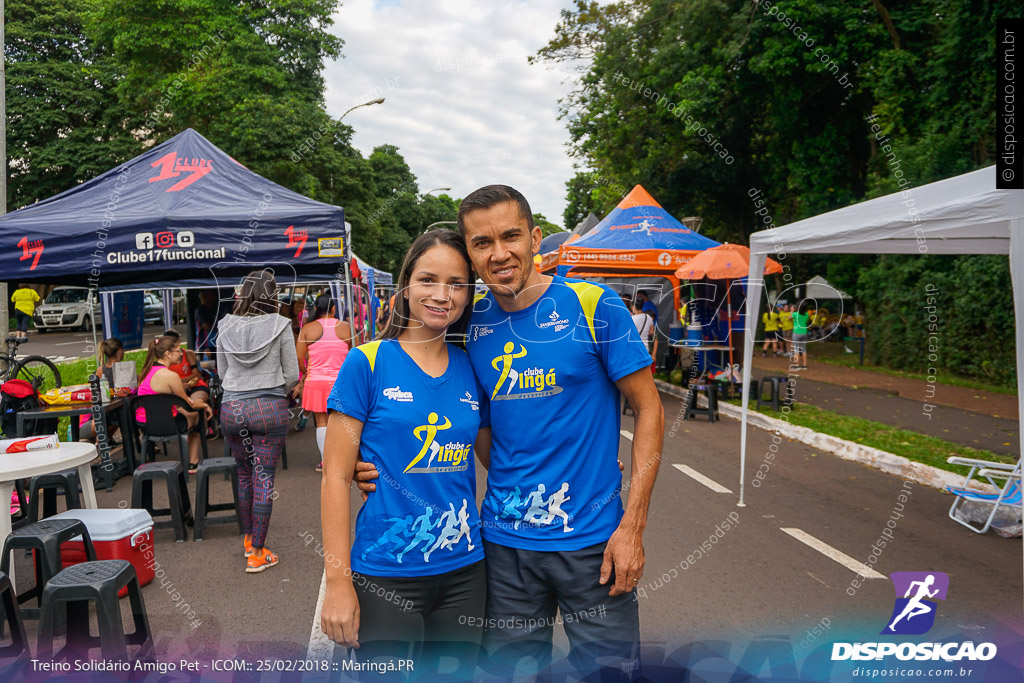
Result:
[{"x": 553, "y": 354}]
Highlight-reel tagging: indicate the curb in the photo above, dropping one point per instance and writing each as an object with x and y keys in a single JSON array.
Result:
[{"x": 847, "y": 450}]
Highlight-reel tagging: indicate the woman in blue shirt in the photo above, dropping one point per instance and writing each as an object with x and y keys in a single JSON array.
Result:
[{"x": 413, "y": 585}]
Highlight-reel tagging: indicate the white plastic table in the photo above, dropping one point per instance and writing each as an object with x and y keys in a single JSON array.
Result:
[{"x": 15, "y": 466}]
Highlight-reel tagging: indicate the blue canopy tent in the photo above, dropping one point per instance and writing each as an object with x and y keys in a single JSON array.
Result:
[{"x": 184, "y": 210}]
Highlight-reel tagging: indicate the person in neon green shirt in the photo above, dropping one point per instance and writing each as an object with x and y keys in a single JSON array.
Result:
[
  {"x": 24, "y": 306},
  {"x": 771, "y": 331},
  {"x": 786, "y": 328},
  {"x": 800, "y": 320}
]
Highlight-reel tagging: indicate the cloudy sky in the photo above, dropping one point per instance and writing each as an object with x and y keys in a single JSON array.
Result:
[{"x": 462, "y": 104}]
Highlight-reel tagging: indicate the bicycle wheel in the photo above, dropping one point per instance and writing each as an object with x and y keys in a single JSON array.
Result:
[{"x": 40, "y": 372}]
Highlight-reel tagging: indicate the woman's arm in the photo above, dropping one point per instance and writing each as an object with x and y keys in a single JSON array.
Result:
[
  {"x": 289, "y": 362},
  {"x": 339, "y": 615},
  {"x": 483, "y": 447},
  {"x": 344, "y": 331},
  {"x": 302, "y": 348},
  {"x": 302, "y": 355}
]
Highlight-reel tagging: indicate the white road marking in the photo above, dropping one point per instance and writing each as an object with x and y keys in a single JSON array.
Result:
[
  {"x": 627, "y": 434},
  {"x": 833, "y": 554},
  {"x": 694, "y": 474},
  {"x": 320, "y": 646}
]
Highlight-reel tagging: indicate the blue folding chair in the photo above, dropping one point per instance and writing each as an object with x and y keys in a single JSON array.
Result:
[{"x": 1003, "y": 477}]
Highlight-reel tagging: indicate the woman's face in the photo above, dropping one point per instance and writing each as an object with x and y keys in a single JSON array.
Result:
[
  {"x": 438, "y": 288},
  {"x": 173, "y": 356}
]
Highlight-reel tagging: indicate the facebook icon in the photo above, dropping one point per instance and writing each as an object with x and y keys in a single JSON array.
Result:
[{"x": 143, "y": 240}]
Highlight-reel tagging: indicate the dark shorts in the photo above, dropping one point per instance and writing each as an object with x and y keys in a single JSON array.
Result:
[
  {"x": 528, "y": 590},
  {"x": 771, "y": 335},
  {"x": 22, "y": 318},
  {"x": 434, "y": 621}
]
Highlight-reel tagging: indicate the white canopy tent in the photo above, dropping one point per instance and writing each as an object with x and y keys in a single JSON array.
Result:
[{"x": 960, "y": 215}]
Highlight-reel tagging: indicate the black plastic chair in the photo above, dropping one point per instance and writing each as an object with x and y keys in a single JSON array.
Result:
[
  {"x": 66, "y": 603},
  {"x": 693, "y": 410},
  {"x": 45, "y": 486},
  {"x": 11, "y": 615},
  {"x": 45, "y": 538},
  {"x": 229, "y": 467},
  {"x": 781, "y": 390},
  {"x": 161, "y": 426},
  {"x": 179, "y": 506}
]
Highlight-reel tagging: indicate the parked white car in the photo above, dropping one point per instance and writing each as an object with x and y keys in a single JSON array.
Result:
[{"x": 67, "y": 308}]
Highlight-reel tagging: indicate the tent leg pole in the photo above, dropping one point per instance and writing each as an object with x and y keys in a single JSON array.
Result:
[{"x": 92, "y": 318}]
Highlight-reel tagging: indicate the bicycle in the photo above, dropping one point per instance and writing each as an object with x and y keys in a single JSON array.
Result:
[{"x": 38, "y": 371}]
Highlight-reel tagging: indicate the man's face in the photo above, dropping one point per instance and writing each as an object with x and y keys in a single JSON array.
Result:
[{"x": 501, "y": 247}]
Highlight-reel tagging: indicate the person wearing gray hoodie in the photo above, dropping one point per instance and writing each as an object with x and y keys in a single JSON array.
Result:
[{"x": 258, "y": 368}]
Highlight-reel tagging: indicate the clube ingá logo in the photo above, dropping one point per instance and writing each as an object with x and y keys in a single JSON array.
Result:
[{"x": 915, "y": 608}]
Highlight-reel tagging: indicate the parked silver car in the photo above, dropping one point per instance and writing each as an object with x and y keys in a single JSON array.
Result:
[{"x": 67, "y": 308}]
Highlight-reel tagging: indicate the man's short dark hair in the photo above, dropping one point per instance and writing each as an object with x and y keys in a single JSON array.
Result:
[{"x": 492, "y": 195}]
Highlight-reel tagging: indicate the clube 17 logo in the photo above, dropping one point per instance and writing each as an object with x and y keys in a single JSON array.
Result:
[{"x": 914, "y": 611}]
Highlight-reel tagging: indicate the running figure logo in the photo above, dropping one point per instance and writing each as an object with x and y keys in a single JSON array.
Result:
[
  {"x": 539, "y": 512},
  {"x": 396, "y": 538},
  {"x": 506, "y": 367},
  {"x": 914, "y": 612},
  {"x": 431, "y": 429},
  {"x": 644, "y": 226}
]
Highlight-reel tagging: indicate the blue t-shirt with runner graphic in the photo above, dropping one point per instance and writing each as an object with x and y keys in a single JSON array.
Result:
[
  {"x": 550, "y": 372},
  {"x": 419, "y": 432}
]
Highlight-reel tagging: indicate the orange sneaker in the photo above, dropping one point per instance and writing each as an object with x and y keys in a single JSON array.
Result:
[
  {"x": 260, "y": 560},
  {"x": 247, "y": 544}
]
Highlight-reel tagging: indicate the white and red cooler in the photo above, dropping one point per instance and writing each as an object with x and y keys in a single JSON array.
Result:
[{"x": 117, "y": 534}]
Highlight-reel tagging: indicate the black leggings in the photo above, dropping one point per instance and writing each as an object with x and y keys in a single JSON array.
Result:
[{"x": 435, "y": 621}]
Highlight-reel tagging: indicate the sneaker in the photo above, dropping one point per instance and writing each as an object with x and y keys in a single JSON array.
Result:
[
  {"x": 247, "y": 544},
  {"x": 260, "y": 560},
  {"x": 320, "y": 467}
]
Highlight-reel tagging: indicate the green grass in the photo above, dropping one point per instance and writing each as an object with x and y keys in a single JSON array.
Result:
[
  {"x": 78, "y": 371},
  {"x": 911, "y": 445},
  {"x": 833, "y": 354}
]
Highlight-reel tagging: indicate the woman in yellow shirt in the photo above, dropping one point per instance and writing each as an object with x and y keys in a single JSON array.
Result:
[
  {"x": 771, "y": 331},
  {"x": 24, "y": 306}
]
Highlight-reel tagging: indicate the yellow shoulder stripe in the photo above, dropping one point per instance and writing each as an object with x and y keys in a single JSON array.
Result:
[
  {"x": 369, "y": 349},
  {"x": 589, "y": 294}
]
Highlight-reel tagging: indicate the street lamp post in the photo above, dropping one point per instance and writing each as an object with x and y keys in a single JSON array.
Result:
[
  {"x": 379, "y": 100},
  {"x": 3, "y": 162},
  {"x": 348, "y": 242},
  {"x": 437, "y": 189}
]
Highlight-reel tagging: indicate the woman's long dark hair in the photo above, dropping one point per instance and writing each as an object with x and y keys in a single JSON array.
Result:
[
  {"x": 321, "y": 307},
  {"x": 157, "y": 348},
  {"x": 258, "y": 294},
  {"x": 399, "y": 318}
]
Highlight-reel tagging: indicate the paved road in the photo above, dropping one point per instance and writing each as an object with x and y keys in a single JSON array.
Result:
[
  {"x": 966, "y": 427},
  {"x": 59, "y": 346},
  {"x": 756, "y": 581}
]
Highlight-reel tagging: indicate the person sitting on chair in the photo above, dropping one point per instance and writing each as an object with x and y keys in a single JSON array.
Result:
[{"x": 157, "y": 377}]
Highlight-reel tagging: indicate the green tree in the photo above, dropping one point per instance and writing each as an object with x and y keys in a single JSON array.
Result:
[
  {"x": 546, "y": 226},
  {"x": 665, "y": 86},
  {"x": 399, "y": 215},
  {"x": 65, "y": 124},
  {"x": 438, "y": 208}
]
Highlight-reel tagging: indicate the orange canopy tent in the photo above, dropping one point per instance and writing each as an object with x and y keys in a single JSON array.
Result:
[
  {"x": 638, "y": 238},
  {"x": 724, "y": 262}
]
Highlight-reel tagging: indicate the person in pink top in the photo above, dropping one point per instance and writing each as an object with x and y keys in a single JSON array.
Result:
[
  {"x": 321, "y": 349},
  {"x": 157, "y": 378}
]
